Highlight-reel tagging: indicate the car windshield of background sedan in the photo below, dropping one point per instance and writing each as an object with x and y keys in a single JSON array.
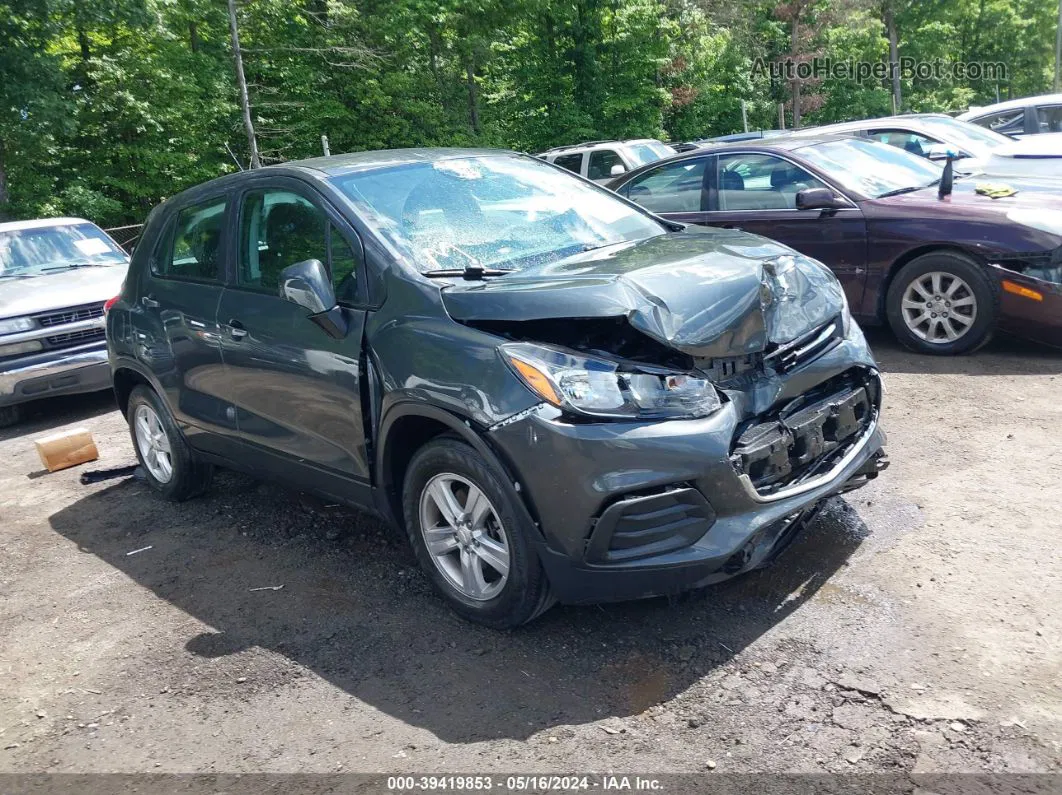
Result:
[
  {"x": 648, "y": 152},
  {"x": 969, "y": 136},
  {"x": 50, "y": 249},
  {"x": 501, "y": 212},
  {"x": 872, "y": 169}
]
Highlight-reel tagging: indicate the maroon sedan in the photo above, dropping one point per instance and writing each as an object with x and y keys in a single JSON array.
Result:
[{"x": 943, "y": 271}]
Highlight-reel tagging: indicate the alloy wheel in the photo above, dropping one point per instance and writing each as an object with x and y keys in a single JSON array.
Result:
[
  {"x": 939, "y": 307},
  {"x": 464, "y": 536},
  {"x": 153, "y": 443}
]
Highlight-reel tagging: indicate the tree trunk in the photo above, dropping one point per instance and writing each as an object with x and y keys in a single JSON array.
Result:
[
  {"x": 193, "y": 36},
  {"x": 4, "y": 197},
  {"x": 473, "y": 98},
  {"x": 794, "y": 44},
  {"x": 894, "y": 57},
  {"x": 241, "y": 82},
  {"x": 1058, "y": 51},
  {"x": 83, "y": 44}
]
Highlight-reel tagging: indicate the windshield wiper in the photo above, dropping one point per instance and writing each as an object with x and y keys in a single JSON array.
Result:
[
  {"x": 909, "y": 189},
  {"x": 470, "y": 273},
  {"x": 73, "y": 265}
]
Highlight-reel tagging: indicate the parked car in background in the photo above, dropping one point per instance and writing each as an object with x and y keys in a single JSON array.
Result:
[
  {"x": 1019, "y": 117},
  {"x": 557, "y": 395},
  {"x": 55, "y": 275},
  {"x": 935, "y": 135},
  {"x": 601, "y": 161},
  {"x": 942, "y": 272}
]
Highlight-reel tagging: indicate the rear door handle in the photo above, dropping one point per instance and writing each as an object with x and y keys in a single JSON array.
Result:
[
  {"x": 236, "y": 330},
  {"x": 149, "y": 302}
]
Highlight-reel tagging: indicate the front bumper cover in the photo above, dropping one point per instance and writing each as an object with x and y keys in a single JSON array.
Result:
[
  {"x": 62, "y": 372},
  {"x": 688, "y": 516}
]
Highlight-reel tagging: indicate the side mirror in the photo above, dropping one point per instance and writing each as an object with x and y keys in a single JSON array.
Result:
[
  {"x": 816, "y": 199},
  {"x": 307, "y": 284},
  {"x": 616, "y": 170}
]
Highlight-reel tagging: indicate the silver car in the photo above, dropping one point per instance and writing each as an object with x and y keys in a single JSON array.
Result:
[{"x": 55, "y": 276}]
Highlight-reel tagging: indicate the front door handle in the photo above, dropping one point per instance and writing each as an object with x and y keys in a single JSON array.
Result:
[
  {"x": 149, "y": 302},
  {"x": 236, "y": 330}
]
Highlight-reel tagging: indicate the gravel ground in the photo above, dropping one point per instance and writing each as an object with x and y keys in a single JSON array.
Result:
[{"x": 914, "y": 627}]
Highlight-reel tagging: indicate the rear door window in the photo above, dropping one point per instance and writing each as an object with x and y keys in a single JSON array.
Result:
[
  {"x": 195, "y": 249},
  {"x": 672, "y": 188},
  {"x": 573, "y": 163}
]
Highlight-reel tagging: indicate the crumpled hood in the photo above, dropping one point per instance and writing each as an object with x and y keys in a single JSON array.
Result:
[
  {"x": 60, "y": 289},
  {"x": 706, "y": 293}
]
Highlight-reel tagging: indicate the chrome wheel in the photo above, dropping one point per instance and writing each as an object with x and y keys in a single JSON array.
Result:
[
  {"x": 153, "y": 443},
  {"x": 464, "y": 536},
  {"x": 939, "y": 307}
]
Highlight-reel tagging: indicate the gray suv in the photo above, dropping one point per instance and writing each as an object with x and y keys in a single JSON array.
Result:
[{"x": 555, "y": 394}]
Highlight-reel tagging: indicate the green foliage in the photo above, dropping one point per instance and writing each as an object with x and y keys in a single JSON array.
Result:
[{"x": 108, "y": 107}]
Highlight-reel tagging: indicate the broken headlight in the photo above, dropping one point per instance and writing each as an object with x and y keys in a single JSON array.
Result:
[{"x": 602, "y": 388}]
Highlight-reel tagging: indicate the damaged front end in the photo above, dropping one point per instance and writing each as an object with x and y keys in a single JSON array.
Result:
[{"x": 700, "y": 397}]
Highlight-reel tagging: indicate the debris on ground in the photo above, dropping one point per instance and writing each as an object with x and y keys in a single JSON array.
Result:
[{"x": 66, "y": 449}]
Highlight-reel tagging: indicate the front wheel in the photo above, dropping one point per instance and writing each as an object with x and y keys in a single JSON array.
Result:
[
  {"x": 942, "y": 303},
  {"x": 470, "y": 539}
]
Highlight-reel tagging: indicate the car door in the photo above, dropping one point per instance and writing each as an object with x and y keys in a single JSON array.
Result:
[
  {"x": 756, "y": 192},
  {"x": 177, "y": 335},
  {"x": 296, "y": 388}
]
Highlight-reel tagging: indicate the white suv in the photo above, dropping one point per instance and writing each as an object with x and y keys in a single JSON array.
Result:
[{"x": 602, "y": 161}]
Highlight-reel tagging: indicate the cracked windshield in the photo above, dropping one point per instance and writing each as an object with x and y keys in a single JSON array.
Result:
[{"x": 491, "y": 212}]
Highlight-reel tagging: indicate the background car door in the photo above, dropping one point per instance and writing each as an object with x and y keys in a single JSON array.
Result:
[
  {"x": 757, "y": 192},
  {"x": 176, "y": 327},
  {"x": 297, "y": 390}
]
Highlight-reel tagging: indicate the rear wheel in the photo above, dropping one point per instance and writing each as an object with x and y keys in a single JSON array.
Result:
[
  {"x": 469, "y": 538},
  {"x": 169, "y": 465},
  {"x": 942, "y": 303}
]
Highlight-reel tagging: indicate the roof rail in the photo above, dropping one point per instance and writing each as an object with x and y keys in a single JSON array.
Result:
[{"x": 584, "y": 143}]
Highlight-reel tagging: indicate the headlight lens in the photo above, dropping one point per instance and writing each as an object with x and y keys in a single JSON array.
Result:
[
  {"x": 603, "y": 388},
  {"x": 13, "y": 325}
]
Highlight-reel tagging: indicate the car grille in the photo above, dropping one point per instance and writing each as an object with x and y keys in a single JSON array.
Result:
[
  {"x": 75, "y": 337},
  {"x": 809, "y": 433},
  {"x": 72, "y": 315}
]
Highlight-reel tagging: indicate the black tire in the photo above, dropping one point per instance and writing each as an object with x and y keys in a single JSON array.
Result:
[
  {"x": 982, "y": 288},
  {"x": 10, "y": 415},
  {"x": 526, "y": 593},
  {"x": 190, "y": 475}
]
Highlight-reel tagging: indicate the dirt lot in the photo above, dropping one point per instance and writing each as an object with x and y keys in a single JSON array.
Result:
[{"x": 916, "y": 626}]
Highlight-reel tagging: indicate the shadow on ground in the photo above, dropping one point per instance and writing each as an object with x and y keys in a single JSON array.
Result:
[
  {"x": 354, "y": 610},
  {"x": 40, "y": 416},
  {"x": 1004, "y": 355}
]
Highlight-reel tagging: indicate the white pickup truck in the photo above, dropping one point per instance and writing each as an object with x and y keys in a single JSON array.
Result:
[{"x": 55, "y": 276}]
